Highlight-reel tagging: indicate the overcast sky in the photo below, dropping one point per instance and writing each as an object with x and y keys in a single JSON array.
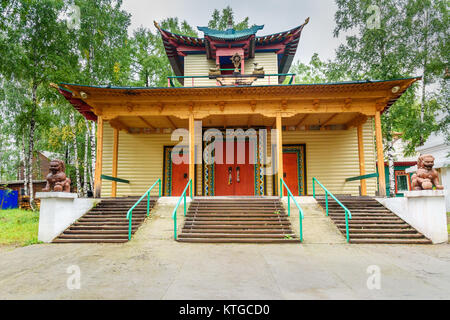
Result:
[{"x": 276, "y": 16}]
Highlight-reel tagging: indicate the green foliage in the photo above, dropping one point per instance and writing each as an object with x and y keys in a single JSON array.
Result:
[
  {"x": 219, "y": 20},
  {"x": 149, "y": 60},
  {"x": 410, "y": 40},
  {"x": 317, "y": 71},
  {"x": 19, "y": 227}
]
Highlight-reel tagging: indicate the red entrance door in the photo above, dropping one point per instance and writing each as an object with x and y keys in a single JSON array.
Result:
[
  {"x": 290, "y": 175},
  {"x": 237, "y": 177},
  {"x": 180, "y": 178}
]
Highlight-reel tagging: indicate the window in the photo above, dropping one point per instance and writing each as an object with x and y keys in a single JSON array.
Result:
[{"x": 402, "y": 181}]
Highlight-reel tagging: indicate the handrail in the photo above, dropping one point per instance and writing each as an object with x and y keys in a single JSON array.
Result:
[
  {"x": 366, "y": 176},
  {"x": 105, "y": 177},
  {"x": 130, "y": 212},
  {"x": 348, "y": 214},
  {"x": 245, "y": 74},
  {"x": 300, "y": 211},
  {"x": 174, "y": 213},
  {"x": 171, "y": 84}
]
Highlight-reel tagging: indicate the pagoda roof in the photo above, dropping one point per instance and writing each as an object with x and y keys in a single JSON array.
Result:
[
  {"x": 230, "y": 34},
  {"x": 284, "y": 44}
]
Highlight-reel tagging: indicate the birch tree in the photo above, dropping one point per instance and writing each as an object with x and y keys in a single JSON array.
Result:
[
  {"x": 75, "y": 151},
  {"x": 34, "y": 35}
]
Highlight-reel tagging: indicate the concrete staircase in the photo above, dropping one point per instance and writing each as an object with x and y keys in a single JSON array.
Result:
[
  {"x": 107, "y": 222},
  {"x": 371, "y": 222},
  {"x": 237, "y": 220}
]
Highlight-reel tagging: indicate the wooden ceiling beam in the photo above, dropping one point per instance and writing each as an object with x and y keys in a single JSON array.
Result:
[
  {"x": 172, "y": 124},
  {"x": 329, "y": 120},
  {"x": 356, "y": 121},
  {"x": 119, "y": 125},
  {"x": 147, "y": 123},
  {"x": 302, "y": 120},
  {"x": 206, "y": 110}
]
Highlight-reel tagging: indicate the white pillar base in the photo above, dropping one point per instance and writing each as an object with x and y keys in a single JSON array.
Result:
[
  {"x": 58, "y": 211},
  {"x": 424, "y": 210}
]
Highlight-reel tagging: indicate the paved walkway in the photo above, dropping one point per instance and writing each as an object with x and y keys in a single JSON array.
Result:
[{"x": 153, "y": 266}]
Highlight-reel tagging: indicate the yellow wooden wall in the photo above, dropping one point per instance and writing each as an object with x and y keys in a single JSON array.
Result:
[
  {"x": 269, "y": 61},
  {"x": 198, "y": 65},
  {"x": 140, "y": 161},
  {"x": 141, "y": 158},
  {"x": 331, "y": 157}
]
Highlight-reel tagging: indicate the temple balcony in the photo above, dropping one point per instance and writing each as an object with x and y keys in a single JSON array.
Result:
[{"x": 227, "y": 80}]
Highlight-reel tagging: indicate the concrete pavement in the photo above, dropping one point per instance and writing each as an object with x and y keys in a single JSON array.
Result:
[{"x": 153, "y": 266}]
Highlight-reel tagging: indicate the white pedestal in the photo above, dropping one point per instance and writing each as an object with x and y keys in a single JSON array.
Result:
[
  {"x": 427, "y": 213},
  {"x": 58, "y": 211},
  {"x": 423, "y": 210}
]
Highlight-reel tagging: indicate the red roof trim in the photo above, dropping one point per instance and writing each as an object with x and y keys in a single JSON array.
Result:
[{"x": 81, "y": 106}]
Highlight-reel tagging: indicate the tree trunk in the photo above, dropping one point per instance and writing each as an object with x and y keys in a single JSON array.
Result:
[
  {"x": 93, "y": 152},
  {"x": 390, "y": 156},
  {"x": 86, "y": 163},
  {"x": 75, "y": 151},
  {"x": 25, "y": 167},
  {"x": 1, "y": 160},
  {"x": 31, "y": 145},
  {"x": 425, "y": 77}
]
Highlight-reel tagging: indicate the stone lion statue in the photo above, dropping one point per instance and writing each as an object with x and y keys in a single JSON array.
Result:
[
  {"x": 426, "y": 177},
  {"x": 57, "y": 180}
]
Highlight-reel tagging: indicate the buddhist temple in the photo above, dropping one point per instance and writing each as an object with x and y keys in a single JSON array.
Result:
[{"x": 236, "y": 83}]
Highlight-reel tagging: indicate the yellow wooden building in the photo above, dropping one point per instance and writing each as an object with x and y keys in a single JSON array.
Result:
[{"x": 328, "y": 131}]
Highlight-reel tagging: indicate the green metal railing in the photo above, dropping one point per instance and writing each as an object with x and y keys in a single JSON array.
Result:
[
  {"x": 300, "y": 211},
  {"x": 105, "y": 177},
  {"x": 348, "y": 214},
  {"x": 130, "y": 212},
  {"x": 170, "y": 79},
  {"x": 174, "y": 214},
  {"x": 367, "y": 176}
]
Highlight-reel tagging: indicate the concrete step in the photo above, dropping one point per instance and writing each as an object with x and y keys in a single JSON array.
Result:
[
  {"x": 238, "y": 220},
  {"x": 237, "y": 240},
  {"x": 371, "y": 222},
  {"x": 76, "y": 240},
  {"x": 106, "y": 223},
  {"x": 237, "y": 235},
  {"x": 391, "y": 241},
  {"x": 235, "y": 231}
]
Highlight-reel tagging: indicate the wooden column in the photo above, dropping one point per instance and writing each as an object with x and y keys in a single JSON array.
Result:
[
  {"x": 362, "y": 165},
  {"x": 380, "y": 155},
  {"x": 192, "y": 152},
  {"x": 279, "y": 128},
  {"x": 115, "y": 161},
  {"x": 99, "y": 160}
]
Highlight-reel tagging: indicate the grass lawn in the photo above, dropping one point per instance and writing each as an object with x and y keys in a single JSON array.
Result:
[
  {"x": 448, "y": 222},
  {"x": 19, "y": 227}
]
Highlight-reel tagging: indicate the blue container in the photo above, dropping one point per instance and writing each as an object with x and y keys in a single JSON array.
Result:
[{"x": 9, "y": 199}]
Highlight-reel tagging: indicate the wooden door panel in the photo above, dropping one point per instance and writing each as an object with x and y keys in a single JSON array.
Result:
[
  {"x": 245, "y": 185},
  {"x": 242, "y": 174},
  {"x": 222, "y": 183},
  {"x": 180, "y": 177},
  {"x": 290, "y": 176}
]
